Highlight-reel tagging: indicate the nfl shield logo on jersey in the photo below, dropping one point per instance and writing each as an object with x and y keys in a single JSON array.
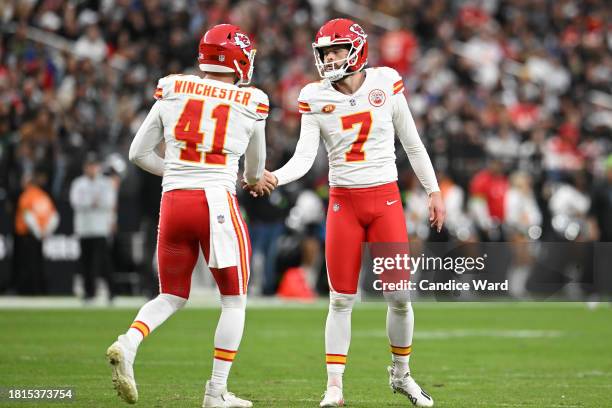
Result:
[
  {"x": 377, "y": 97},
  {"x": 220, "y": 219},
  {"x": 336, "y": 207}
]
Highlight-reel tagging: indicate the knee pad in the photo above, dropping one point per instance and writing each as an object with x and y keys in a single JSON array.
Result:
[
  {"x": 402, "y": 308},
  {"x": 341, "y": 302},
  {"x": 233, "y": 301},
  {"x": 175, "y": 302},
  {"x": 399, "y": 301}
]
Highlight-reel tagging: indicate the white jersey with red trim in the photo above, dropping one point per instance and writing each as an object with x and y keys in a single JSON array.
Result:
[
  {"x": 207, "y": 126},
  {"x": 358, "y": 130}
]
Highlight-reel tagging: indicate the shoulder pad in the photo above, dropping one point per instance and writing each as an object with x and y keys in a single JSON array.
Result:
[
  {"x": 392, "y": 77},
  {"x": 259, "y": 103},
  {"x": 307, "y": 96},
  {"x": 165, "y": 85}
]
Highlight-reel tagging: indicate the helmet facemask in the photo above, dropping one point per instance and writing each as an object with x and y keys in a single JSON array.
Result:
[{"x": 244, "y": 78}]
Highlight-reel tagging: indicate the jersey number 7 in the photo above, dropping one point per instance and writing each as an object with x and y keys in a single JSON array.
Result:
[
  {"x": 187, "y": 130},
  {"x": 364, "y": 120}
]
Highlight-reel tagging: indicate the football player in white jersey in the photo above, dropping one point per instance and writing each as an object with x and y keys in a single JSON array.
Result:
[
  {"x": 207, "y": 123},
  {"x": 357, "y": 112}
]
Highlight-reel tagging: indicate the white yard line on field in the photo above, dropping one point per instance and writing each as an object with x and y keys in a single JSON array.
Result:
[{"x": 210, "y": 299}]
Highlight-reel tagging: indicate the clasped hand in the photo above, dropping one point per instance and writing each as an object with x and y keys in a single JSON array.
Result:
[{"x": 266, "y": 184}]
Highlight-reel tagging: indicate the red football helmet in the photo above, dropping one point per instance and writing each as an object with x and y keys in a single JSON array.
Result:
[
  {"x": 225, "y": 48},
  {"x": 341, "y": 31}
]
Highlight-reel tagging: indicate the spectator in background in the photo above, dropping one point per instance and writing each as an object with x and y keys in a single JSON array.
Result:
[
  {"x": 505, "y": 145},
  {"x": 93, "y": 197},
  {"x": 601, "y": 211},
  {"x": 522, "y": 223},
  {"x": 459, "y": 225},
  {"x": 561, "y": 153},
  {"x": 266, "y": 225},
  {"x": 91, "y": 45},
  {"x": 36, "y": 219},
  {"x": 601, "y": 204},
  {"x": 573, "y": 256},
  {"x": 488, "y": 196},
  {"x": 523, "y": 218},
  {"x": 398, "y": 50},
  {"x": 569, "y": 206},
  {"x": 416, "y": 210}
]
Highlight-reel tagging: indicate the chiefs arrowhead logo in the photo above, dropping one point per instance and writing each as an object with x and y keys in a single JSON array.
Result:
[
  {"x": 242, "y": 40},
  {"x": 356, "y": 28}
]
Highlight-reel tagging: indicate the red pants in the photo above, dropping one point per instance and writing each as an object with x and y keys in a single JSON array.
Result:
[
  {"x": 354, "y": 216},
  {"x": 184, "y": 228}
]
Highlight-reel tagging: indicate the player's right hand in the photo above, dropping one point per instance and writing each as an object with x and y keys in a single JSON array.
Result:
[
  {"x": 254, "y": 189},
  {"x": 437, "y": 210},
  {"x": 266, "y": 184}
]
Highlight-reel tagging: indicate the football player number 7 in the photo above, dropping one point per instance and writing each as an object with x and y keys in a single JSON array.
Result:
[
  {"x": 364, "y": 121},
  {"x": 187, "y": 130}
]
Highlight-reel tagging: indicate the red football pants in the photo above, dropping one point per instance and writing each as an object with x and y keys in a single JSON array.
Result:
[
  {"x": 184, "y": 228},
  {"x": 354, "y": 216}
]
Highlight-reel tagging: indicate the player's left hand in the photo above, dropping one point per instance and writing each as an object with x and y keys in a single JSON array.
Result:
[{"x": 437, "y": 210}]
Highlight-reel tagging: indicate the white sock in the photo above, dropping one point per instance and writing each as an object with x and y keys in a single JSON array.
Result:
[
  {"x": 227, "y": 339},
  {"x": 152, "y": 315},
  {"x": 400, "y": 328},
  {"x": 337, "y": 336},
  {"x": 334, "y": 375}
]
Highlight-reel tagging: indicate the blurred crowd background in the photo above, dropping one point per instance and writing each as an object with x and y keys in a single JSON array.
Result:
[{"x": 512, "y": 98}]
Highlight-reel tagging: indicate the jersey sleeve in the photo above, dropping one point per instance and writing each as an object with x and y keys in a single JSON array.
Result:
[
  {"x": 255, "y": 154},
  {"x": 407, "y": 133},
  {"x": 259, "y": 104},
  {"x": 305, "y": 152},
  {"x": 149, "y": 135}
]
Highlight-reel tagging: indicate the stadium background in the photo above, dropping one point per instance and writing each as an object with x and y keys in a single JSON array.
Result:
[{"x": 518, "y": 86}]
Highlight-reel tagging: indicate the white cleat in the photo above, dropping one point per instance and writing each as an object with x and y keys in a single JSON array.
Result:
[
  {"x": 121, "y": 358},
  {"x": 223, "y": 399},
  {"x": 407, "y": 386},
  {"x": 332, "y": 397}
]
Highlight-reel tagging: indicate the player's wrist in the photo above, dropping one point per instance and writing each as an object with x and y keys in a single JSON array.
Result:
[{"x": 274, "y": 179}]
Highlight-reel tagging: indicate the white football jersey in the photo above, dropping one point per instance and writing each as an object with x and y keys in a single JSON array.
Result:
[
  {"x": 358, "y": 129},
  {"x": 207, "y": 125}
]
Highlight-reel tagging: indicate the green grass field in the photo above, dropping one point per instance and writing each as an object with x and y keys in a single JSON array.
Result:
[{"x": 478, "y": 355}]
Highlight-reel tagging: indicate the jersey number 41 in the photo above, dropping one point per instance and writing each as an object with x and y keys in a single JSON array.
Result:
[{"x": 187, "y": 130}]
